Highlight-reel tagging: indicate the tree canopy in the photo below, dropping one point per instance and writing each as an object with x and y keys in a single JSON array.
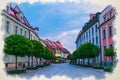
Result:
[
  {"x": 17, "y": 45},
  {"x": 38, "y": 48},
  {"x": 48, "y": 54},
  {"x": 110, "y": 52}
]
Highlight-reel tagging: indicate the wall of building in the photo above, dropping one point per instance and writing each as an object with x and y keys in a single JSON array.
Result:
[{"x": 107, "y": 20}]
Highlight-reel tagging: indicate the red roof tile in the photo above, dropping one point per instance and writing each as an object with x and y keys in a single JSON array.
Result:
[{"x": 15, "y": 11}]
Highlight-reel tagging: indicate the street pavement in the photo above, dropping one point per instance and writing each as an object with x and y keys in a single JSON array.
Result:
[{"x": 72, "y": 72}]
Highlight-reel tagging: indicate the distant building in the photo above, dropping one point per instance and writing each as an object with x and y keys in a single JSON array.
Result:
[{"x": 56, "y": 47}]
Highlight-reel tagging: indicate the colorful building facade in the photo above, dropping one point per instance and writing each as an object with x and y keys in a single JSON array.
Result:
[
  {"x": 56, "y": 47},
  {"x": 107, "y": 30}
]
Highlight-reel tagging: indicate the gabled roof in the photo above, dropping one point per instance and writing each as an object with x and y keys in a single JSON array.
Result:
[
  {"x": 65, "y": 51},
  {"x": 15, "y": 11},
  {"x": 59, "y": 45},
  {"x": 52, "y": 45}
]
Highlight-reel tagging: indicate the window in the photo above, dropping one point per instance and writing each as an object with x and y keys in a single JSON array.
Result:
[
  {"x": 104, "y": 35},
  {"x": 16, "y": 29},
  {"x": 86, "y": 35},
  {"x": 96, "y": 39},
  {"x": 31, "y": 36},
  {"x": 21, "y": 18},
  {"x": 92, "y": 31},
  {"x": 110, "y": 31},
  {"x": 96, "y": 27},
  {"x": 21, "y": 31},
  {"x": 104, "y": 48},
  {"x": 110, "y": 14},
  {"x": 34, "y": 37},
  {"x": 104, "y": 18},
  {"x": 93, "y": 40},
  {"x": 89, "y": 34},
  {"x": 7, "y": 9},
  {"x": 111, "y": 45},
  {"x": 25, "y": 34},
  {"x": 7, "y": 26}
]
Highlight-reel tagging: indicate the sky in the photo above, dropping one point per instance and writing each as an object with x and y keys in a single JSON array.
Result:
[
  {"x": 67, "y": 34},
  {"x": 58, "y": 20}
]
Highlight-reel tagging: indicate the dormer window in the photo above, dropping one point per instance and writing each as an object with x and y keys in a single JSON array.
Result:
[
  {"x": 110, "y": 14},
  {"x": 21, "y": 18},
  {"x": 7, "y": 9},
  {"x": 104, "y": 18}
]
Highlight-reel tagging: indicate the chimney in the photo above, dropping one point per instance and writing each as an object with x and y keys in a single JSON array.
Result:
[
  {"x": 36, "y": 29},
  {"x": 92, "y": 15},
  {"x": 58, "y": 41}
]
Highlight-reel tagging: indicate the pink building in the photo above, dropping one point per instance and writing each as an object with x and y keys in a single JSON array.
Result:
[{"x": 107, "y": 30}]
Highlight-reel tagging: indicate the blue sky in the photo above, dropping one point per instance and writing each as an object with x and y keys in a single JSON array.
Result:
[{"x": 59, "y": 21}]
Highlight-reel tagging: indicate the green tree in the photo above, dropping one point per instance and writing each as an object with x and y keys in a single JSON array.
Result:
[
  {"x": 75, "y": 56},
  {"x": 110, "y": 52},
  {"x": 70, "y": 57},
  {"x": 38, "y": 50},
  {"x": 29, "y": 50},
  {"x": 88, "y": 50},
  {"x": 48, "y": 55},
  {"x": 81, "y": 53},
  {"x": 16, "y": 45}
]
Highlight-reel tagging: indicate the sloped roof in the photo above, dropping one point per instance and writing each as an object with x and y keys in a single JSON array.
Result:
[
  {"x": 52, "y": 45},
  {"x": 16, "y": 10}
]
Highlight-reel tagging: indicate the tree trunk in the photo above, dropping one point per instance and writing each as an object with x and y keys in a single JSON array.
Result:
[
  {"x": 28, "y": 61},
  {"x": 40, "y": 61},
  {"x": 112, "y": 61},
  {"x": 94, "y": 61},
  {"x": 109, "y": 61},
  {"x": 16, "y": 63},
  {"x": 32, "y": 61},
  {"x": 83, "y": 61},
  {"x": 88, "y": 61},
  {"x": 36, "y": 62}
]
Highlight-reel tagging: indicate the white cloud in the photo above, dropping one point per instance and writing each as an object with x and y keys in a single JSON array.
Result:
[
  {"x": 67, "y": 38},
  {"x": 77, "y": 23}
]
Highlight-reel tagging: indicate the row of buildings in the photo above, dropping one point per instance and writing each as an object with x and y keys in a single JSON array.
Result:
[
  {"x": 14, "y": 22},
  {"x": 99, "y": 30},
  {"x": 56, "y": 47}
]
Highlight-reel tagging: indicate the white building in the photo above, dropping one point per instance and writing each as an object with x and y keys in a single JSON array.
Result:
[
  {"x": 90, "y": 32},
  {"x": 100, "y": 31},
  {"x": 14, "y": 22}
]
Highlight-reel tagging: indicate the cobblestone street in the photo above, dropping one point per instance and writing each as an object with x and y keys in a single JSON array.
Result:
[{"x": 67, "y": 70}]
